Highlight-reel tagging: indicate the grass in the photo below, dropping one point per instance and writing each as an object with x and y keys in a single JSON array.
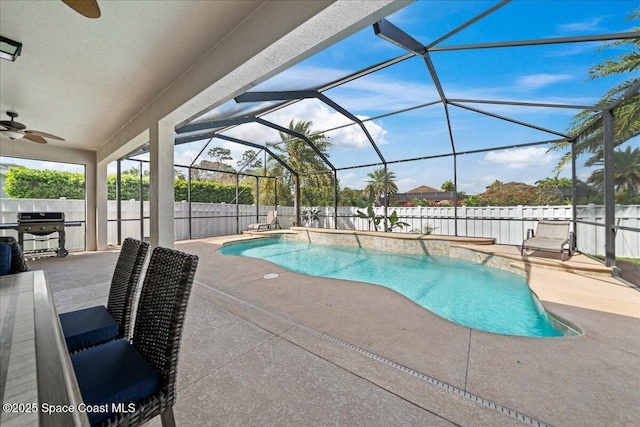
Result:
[{"x": 635, "y": 261}]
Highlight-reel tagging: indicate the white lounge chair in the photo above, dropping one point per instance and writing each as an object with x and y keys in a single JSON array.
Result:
[
  {"x": 271, "y": 222},
  {"x": 550, "y": 236}
]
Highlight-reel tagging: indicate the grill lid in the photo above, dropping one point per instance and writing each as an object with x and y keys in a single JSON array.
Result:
[{"x": 33, "y": 217}]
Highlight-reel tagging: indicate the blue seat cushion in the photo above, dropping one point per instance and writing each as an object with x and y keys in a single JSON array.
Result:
[
  {"x": 88, "y": 327},
  {"x": 5, "y": 258},
  {"x": 114, "y": 372}
]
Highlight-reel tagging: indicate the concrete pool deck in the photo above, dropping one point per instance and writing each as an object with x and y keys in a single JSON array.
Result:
[{"x": 299, "y": 350}]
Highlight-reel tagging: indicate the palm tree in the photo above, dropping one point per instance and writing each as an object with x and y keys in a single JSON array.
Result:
[
  {"x": 448, "y": 185},
  {"x": 375, "y": 185},
  {"x": 297, "y": 153},
  {"x": 627, "y": 115},
  {"x": 626, "y": 171}
]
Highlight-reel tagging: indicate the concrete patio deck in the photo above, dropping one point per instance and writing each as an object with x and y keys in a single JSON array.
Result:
[{"x": 305, "y": 351}]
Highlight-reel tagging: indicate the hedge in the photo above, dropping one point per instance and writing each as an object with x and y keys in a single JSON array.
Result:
[
  {"x": 23, "y": 183},
  {"x": 213, "y": 192}
]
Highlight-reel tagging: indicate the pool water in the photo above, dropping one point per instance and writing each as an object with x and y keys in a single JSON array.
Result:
[{"x": 467, "y": 293}]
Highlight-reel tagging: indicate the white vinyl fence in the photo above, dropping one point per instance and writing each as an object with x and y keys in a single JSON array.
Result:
[{"x": 508, "y": 225}]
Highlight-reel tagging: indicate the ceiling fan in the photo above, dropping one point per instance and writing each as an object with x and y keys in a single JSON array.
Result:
[
  {"x": 16, "y": 130},
  {"x": 88, "y": 8}
]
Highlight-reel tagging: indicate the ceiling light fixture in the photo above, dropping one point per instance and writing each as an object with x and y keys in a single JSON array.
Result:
[
  {"x": 13, "y": 134},
  {"x": 9, "y": 49}
]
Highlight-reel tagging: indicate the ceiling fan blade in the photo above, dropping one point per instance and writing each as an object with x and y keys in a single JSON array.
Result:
[
  {"x": 44, "y": 134},
  {"x": 35, "y": 138},
  {"x": 88, "y": 8}
]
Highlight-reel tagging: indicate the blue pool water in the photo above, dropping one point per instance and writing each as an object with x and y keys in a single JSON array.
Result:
[{"x": 471, "y": 294}]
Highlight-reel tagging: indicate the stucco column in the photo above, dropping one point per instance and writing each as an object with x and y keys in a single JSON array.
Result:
[
  {"x": 161, "y": 197},
  {"x": 100, "y": 225}
]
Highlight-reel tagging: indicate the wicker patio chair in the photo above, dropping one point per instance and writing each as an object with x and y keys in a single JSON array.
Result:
[
  {"x": 96, "y": 325},
  {"x": 550, "y": 236},
  {"x": 142, "y": 372},
  {"x": 18, "y": 263}
]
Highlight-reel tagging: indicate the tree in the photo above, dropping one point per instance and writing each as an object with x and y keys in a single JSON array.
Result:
[
  {"x": 510, "y": 194},
  {"x": 316, "y": 183},
  {"x": 627, "y": 115},
  {"x": 135, "y": 170},
  {"x": 208, "y": 170},
  {"x": 272, "y": 187},
  {"x": 421, "y": 202},
  {"x": 351, "y": 197},
  {"x": 250, "y": 162},
  {"x": 475, "y": 200},
  {"x": 626, "y": 172},
  {"x": 375, "y": 185},
  {"x": 554, "y": 191},
  {"x": 219, "y": 154},
  {"x": 448, "y": 185}
]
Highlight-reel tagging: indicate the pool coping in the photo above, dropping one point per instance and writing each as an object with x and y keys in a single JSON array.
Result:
[{"x": 484, "y": 245}]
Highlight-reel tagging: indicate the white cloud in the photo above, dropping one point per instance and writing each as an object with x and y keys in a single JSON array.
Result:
[
  {"x": 521, "y": 158},
  {"x": 302, "y": 77},
  {"x": 537, "y": 81},
  {"x": 406, "y": 184},
  {"x": 374, "y": 92},
  {"x": 39, "y": 164},
  {"x": 184, "y": 158},
  {"x": 349, "y": 179},
  {"x": 380, "y": 93},
  {"x": 323, "y": 117},
  {"x": 590, "y": 26}
]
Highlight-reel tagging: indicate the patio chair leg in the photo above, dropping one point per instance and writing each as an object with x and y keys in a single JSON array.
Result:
[{"x": 167, "y": 418}]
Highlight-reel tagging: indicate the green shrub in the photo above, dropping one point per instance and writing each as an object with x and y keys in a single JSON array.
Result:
[
  {"x": 23, "y": 183},
  {"x": 213, "y": 192}
]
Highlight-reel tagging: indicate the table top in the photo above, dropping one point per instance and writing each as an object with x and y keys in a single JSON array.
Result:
[{"x": 36, "y": 374}]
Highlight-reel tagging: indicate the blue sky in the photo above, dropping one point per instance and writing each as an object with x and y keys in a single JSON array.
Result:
[{"x": 551, "y": 74}]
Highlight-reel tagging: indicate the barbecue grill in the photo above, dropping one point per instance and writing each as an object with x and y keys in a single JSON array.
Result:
[{"x": 42, "y": 224}]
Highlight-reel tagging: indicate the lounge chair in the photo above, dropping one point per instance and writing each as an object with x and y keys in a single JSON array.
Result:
[
  {"x": 271, "y": 222},
  {"x": 550, "y": 236}
]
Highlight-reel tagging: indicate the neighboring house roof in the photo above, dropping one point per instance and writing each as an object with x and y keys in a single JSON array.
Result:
[
  {"x": 423, "y": 189},
  {"x": 423, "y": 192}
]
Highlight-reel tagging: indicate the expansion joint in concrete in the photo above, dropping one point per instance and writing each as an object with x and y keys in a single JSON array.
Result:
[{"x": 426, "y": 378}]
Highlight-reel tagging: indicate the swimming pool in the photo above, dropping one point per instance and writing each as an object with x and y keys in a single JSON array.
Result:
[{"x": 467, "y": 293}]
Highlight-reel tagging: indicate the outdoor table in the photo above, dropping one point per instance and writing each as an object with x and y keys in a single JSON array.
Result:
[{"x": 37, "y": 382}]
